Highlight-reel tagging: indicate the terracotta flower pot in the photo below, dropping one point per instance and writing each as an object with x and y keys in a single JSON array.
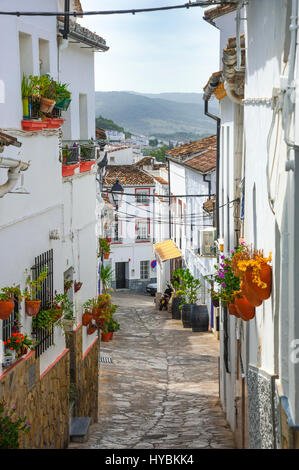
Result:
[
  {"x": 86, "y": 318},
  {"x": 233, "y": 310},
  {"x": 106, "y": 255},
  {"x": 91, "y": 329},
  {"x": 251, "y": 295},
  {"x": 28, "y": 125},
  {"x": 32, "y": 307},
  {"x": 110, "y": 335},
  {"x": 46, "y": 105},
  {"x": 53, "y": 123},
  {"x": 244, "y": 308},
  {"x": 69, "y": 170},
  {"x": 6, "y": 308},
  {"x": 105, "y": 337},
  {"x": 266, "y": 277},
  {"x": 86, "y": 166}
]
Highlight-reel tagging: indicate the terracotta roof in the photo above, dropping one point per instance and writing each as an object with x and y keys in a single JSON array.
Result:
[
  {"x": 84, "y": 35},
  {"x": 209, "y": 205},
  {"x": 204, "y": 162},
  {"x": 145, "y": 161},
  {"x": 119, "y": 148},
  {"x": 218, "y": 11},
  {"x": 128, "y": 175},
  {"x": 157, "y": 166},
  {"x": 78, "y": 7},
  {"x": 100, "y": 134},
  {"x": 193, "y": 147},
  {"x": 160, "y": 180},
  {"x": 161, "y": 198}
]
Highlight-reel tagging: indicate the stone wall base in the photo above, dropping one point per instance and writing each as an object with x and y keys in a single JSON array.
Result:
[
  {"x": 289, "y": 432},
  {"x": 44, "y": 400},
  {"x": 83, "y": 376}
]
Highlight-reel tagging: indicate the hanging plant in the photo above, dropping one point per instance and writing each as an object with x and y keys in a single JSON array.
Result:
[{"x": 77, "y": 286}]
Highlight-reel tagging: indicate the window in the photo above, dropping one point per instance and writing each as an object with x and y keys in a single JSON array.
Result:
[
  {"x": 144, "y": 269},
  {"x": 26, "y": 54},
  {"x": 83, "y": 115},
  {"x": 142, "y": 229},
  {"x": 207, "y": 246},
  {"x": 142, "y": 196},
  {"x": 46, "y": 295}
]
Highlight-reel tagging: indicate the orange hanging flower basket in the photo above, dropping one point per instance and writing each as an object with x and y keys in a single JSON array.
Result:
[
  {"x": 250, "y": 294},
  {"x": 233, "y": 310},
  {"x": 263, "y": 292},
  {"x": 6, "y": 308},
  {"x": 244, "y": 308},
  {"x": 86, "y": 318},
  {"x": 32, "y": 307}
]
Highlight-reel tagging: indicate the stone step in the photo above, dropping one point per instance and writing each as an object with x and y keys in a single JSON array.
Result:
[{"x": 79, "y": 429}]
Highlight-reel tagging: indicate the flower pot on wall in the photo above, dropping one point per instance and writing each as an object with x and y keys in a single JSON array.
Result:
[
  {"x": 91, "y": 329},
  {"x": 32, "y": 307},
  {"x": 53, "y": 123},
  {"x": 46, "y": 105},
  {"x": 32, "y": 125},
  {"x": 265, "y": 276},
  {"x": 63, "y": 104},
  {"x": 6, "y": 308},
  {"x": 86, "y": 166},
  {"x": 106, "y": 255},
  {"x": 251, "y": 295},
  {"x": 244, "y": 308},
  {"x": 69, "y": 170},
  {"x": 86, "y": 318},
  {"x": 233, "y": 310},
  {"x": 26, "y": 108},
  {"x": 105, "y": 337}
]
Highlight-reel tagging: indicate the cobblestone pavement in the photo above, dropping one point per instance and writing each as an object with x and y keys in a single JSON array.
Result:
[{"x": 161, "y": 391}]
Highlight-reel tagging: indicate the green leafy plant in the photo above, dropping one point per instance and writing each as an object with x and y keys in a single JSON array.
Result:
[
  {"x": 33, "y": 287},
  {"x": 11, "y": 427},
  {"x": 9, "y": 293},
  {"x": 187, "y": 286},
  {"x": 105, "y": 245},
  {"x": 228, "y": 283},
  {"x": 62, "y": 92},
  {"x": 18, "y": 341},
  {"x": 106, "y": 277},
  {"x": 113, "y": 325},
  {"x": 26, "y": 87}
]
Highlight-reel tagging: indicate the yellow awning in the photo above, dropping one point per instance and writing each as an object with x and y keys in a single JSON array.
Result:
[{"x": 167, "y": 250}]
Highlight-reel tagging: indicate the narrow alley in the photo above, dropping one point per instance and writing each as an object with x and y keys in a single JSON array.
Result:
[{"x": 161, "y": 389}]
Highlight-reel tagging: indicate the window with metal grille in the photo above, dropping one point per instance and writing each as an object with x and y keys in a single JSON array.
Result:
[
  {"x": 142, "y": 195},
  {"x": 142, "y": 229},
  {"x": 45, "y": 338},
  {"x": 10, "y": 325},
  {"x": 144, "y": 269}
]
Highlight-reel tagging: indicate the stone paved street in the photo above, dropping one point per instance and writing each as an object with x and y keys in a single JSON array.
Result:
[{"x": 162, "y": 389}]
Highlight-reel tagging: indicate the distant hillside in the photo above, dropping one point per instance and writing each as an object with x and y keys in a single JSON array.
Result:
[
  {"x": 110, "y": 125},
  {"x": 150, "y": 115}
]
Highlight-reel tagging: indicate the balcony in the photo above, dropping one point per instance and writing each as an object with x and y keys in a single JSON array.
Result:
[{"x": 78, "y": 154}]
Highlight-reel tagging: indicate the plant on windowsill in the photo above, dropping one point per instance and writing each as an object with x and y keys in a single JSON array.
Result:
[
  {"x": 7, "y": 304},
  {"x": 11, "y": 427},
  {"x": 20, "y": 344},
  {"x": 26, "y": 89},
  {"x": 32, "y": 304}
]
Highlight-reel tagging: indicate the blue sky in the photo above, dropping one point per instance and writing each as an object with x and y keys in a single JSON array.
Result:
[{"x": 171, "y": 51}]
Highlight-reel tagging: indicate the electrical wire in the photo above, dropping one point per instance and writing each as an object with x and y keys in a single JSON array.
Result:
[{"x": 114, "y": 12}]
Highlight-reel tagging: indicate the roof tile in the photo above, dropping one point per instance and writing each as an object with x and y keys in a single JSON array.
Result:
[
  {"x": 128, "y": 175},
  {"x": 193, "y": 147}
]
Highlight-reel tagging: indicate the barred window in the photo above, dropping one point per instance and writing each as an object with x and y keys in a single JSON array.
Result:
[
  {"x": 144, "y": 269},
  {"x": 142, "y": 196},
  {"x": 142, "y": 229}
]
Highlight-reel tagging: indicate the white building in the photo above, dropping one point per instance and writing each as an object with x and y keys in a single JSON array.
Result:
[
  {"x": 122, "y": 155},
  {"x": 53, "y": 222},
  {"x": 191, "y": 172},
  {"x": 259, "y": 377},
  {"x": 130, "y": 227},
  {"x": 115, "y": 136}
]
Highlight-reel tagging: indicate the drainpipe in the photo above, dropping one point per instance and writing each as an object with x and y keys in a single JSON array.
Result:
[
  {"x": 212, "y": 116},
  {"x": 13, "y": 174},
  {"x": 209, "y": 184},
  {"x": 169, "y": 210}
]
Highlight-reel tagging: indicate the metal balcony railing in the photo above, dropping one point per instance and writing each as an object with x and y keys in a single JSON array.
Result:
[{"x": 78, "y": 151}]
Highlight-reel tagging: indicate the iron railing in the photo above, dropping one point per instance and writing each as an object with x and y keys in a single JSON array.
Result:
[
  {"x": 75, "y": 151},
  {"x": 10, "y": 325},
  {"x": 44, "y": 337}
]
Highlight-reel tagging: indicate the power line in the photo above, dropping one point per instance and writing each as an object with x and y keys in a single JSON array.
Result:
[{"x": 114, "y": 12}]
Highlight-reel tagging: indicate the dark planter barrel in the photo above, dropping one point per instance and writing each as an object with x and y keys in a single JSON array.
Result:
[
  {"x": 200, "y": 318},
  {"x": 186, "y": 315},
  {"x": 175, "y": 311}
]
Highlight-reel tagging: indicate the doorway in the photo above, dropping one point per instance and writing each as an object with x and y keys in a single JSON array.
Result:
[{"x": 120, "y": 275}]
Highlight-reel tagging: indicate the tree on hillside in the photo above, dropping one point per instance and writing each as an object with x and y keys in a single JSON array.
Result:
[{"x": 110, "y": 125}]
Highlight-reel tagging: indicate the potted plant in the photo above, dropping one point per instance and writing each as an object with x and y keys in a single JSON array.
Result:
[
  {"x": 188, "y": 289},
  {"x": 113, "y": 326},
  {"x": 7, "y": 303},
  {"x": 105, "y": 247},
  {"x": 30, "y": 89},
  {"x": 11, "y": 427},
  {"x": 63, "y": 96},
  {"x": 77, "y": 286},
  {"x": 19, "y": 343},
  {"x": 26, "y": 94},
  {"x": 106, "y": 277},
  {"x": 91, "y": 328},
  {"x": 105, "y": 335},
  {"x": 32, "y": 304},
  {"x": 47, "y": 88}
]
